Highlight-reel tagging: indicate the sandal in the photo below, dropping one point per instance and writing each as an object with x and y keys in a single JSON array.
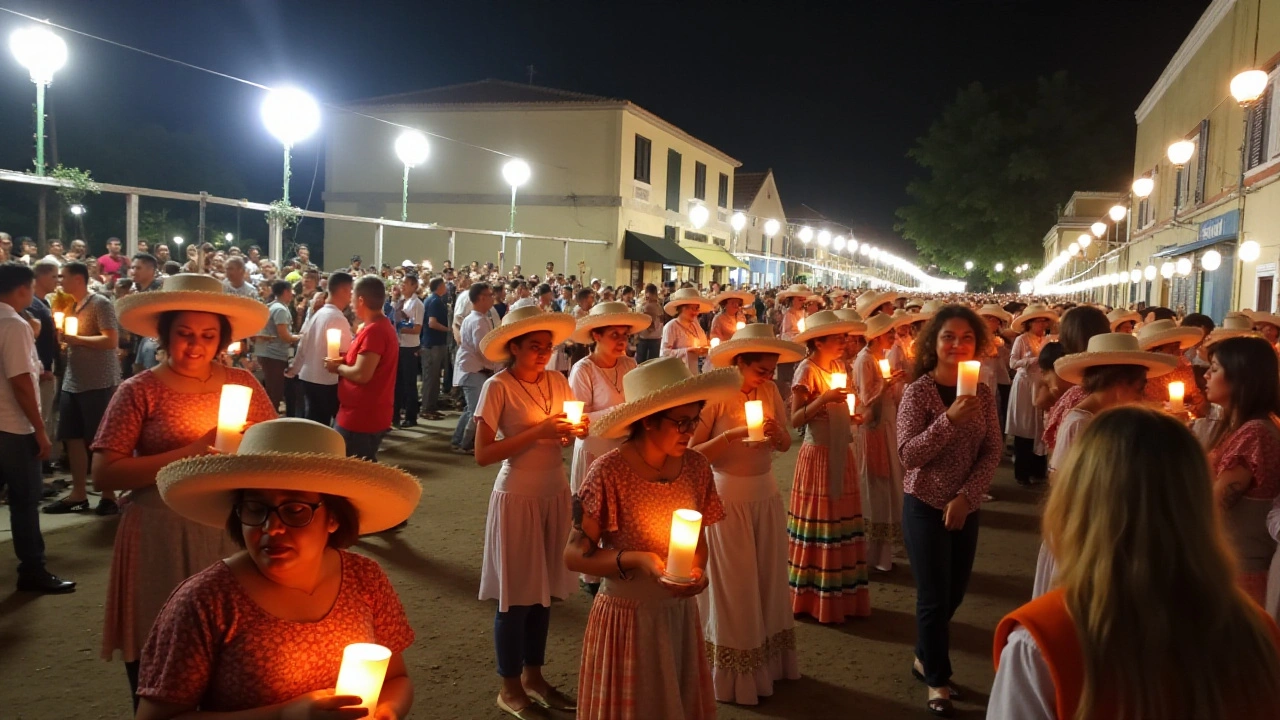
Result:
[
  {"x": 553, "y": 699},
  {"x": 941, "y": 707},
  {"x": 955, "y": 693},
  {"x": 532, "y": 711}
]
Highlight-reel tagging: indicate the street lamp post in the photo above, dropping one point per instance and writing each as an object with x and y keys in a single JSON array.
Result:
[
  {"x": 42, "y": 53},
  {"x": 516, "y": 172},
  {"x": 412, "y": 148},
  {"x": 771, "y": 228},
  {"x": 738, "y": 221},
  {"x": 290, "y": 115}
]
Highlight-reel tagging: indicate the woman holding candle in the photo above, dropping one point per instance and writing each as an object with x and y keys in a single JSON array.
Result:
[
  {"x": 790, "y": 304},
  {"x": 643, "y": 655},
  {"x": 1244, "y": 451},
  {"x": 530, "y": 507},
  {"x": 156, "y": 417},
  {"x": 262, "y": 632},
  {"x": 746, "y": 610},
  {"x": 731, "y": 315},
  {"x": 1025, "y": 421},
  {"x": 1168, "y": 338},
  {"x": 950, "y": 445},
  {"x": 683, "y": 337},
  {"x": 995, "y": 362},
  {"x": 880, "y": 469},
  {"x": 827, "y": 548},
  {"x": 1078, "y": 326},
  {"x": 1135, "y": 495}
]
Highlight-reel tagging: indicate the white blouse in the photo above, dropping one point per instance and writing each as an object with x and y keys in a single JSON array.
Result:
[
  {"x": 1023, "y": 689},
  {"x": 678, "y": 338}
]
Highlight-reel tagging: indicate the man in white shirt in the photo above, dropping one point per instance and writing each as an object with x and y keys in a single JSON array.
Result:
[
  {"x": 319, "y": 386},
  {"x": 471, "y": 368},
  {"x": 24, "y": 442},
  {"x": 236, "y": 284},
  {"x": 408, "y": 322}
]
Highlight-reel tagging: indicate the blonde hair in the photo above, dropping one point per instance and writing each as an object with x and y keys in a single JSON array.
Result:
[{"x": 1150, "y": 580}]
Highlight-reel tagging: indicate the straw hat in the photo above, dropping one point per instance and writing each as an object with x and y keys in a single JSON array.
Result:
[
  {"x": 745, "y": 296},
  {"x": 1121, "y": 315},
  {"x": 288, "y": 454},
  {"x": 794, "y": 291},
  {"x": 1113, "y": 349},
  {"x": 871, "y": 299},
  {"x": 826, "y": 322},
  {"x": 1163, "y": 332},
  {"x": 851, "y": 315},
  {"x": 522, "y": 322},
  {"x": 755, "y": 338},
  {"x": 1233, "y": 325},
  {"x": 928, "y": 310},
  {"x": 995, "y": 311},
  {"x": 879, "y": 325},
  {"x": 1264, "y": 318},
  {"x": 914, "y": 302},
  {"x": 606, "y": 314},
  {"x": 687, "y": 296},
  {"x": 140, "y": 312},
  {"x": 1034, "y": 312},
  {"x": 661, "y": 384}
]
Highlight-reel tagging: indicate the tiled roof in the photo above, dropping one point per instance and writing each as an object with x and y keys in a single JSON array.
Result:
[
  {"x": 489, "y": 92},
  {"x": 746, "y": 185},
  {"x": 804, "y": 213}
]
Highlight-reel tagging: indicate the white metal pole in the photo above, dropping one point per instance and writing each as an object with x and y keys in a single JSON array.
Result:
[
  {"x": 131, "y": 224},
  {"x": 453, "y": 239},
  {"x": 377, "y": 249},
  {"x": 275, "y": 244}
]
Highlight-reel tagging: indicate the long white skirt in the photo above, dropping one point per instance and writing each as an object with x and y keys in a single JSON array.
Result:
[
  {"x": 524, "y": 544},
  {"x": 1024, "y": 419},
  {"x": 746, "y": 608}
]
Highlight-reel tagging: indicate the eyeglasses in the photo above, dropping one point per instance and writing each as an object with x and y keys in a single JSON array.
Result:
[
  {"x": 686, "y": 426},
  {"x": 292, "y": 514}
]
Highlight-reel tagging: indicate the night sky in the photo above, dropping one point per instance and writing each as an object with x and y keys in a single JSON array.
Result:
[{"x": 830, "y": 95}]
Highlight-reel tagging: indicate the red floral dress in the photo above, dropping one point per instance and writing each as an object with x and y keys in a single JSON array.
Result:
[
  {"x": 1254, "y": 446},
  {"x": 215, "y": 648}
]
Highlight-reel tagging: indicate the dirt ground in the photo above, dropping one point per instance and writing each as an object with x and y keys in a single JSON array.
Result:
[{"x": 49, "y": 646}]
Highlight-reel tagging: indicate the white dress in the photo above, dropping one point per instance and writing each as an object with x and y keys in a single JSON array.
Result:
[
  {"x": 879, "y": 467},
  {"x": 530, "y": 509},
  {"x": 746, "y": 608},
  {"x": 1024, "y": 419},
  {"x": 600, "y": 389},
  {"x": 678, "y": 338},
  {"x": 1073, "y": 423}
]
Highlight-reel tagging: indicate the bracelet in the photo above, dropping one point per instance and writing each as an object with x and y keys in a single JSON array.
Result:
[{"x": 621, "y": 573}]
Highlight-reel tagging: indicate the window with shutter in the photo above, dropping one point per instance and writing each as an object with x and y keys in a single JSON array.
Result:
[
  {"x": 699, "y": 181},
  {"x": 1202, "y": 161},
  {"x": 1179, "y": 192},
  {"x": 723, "y": 194},
  {"x": 673, "y": 180},
  {"x": 1259, "y": 117}
]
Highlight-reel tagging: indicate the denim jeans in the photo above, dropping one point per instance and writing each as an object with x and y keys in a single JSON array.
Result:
[
  {"x": 941, "y": 562},
  {"x": 20, "y": 472},
  {"x": 464, "y": 436},
  {"x": 433, "y": 359},
  {"x": 406, "y": 386},
  {"x": 647, "y": 349},
  {"x": 520, "y": 638},
  {"x": 361, "y": 445},
  {"x": 321, "y": 402}
]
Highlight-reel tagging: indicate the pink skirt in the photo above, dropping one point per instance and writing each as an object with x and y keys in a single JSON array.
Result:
[{"x": 827, "y": 547}]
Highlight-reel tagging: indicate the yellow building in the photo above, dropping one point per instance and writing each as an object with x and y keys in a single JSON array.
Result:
[{"x": 602, "y": 169}]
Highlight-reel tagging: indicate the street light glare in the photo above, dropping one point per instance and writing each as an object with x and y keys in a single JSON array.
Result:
[
  {"x": 1149, "y": 272},
  {"x": 1180, "y": 152},
  {"x": 516, "y": 172},
  {"x": 771, "y": 227},
  {"x": 999, "y": 267},
  {"x": 40, "y": 51},
  {"x": 824, "y": 238},
  {"x": 1248, "y": 86},
  {"x": 1249, "y": 250},
  {"x": 838, "y": 243},
  {"x": 738, "y": 221},
  {"x": 1142, "y": 187},
  {"x": 1117, "y": 212},
  {"x": 412, "y": 148},
  {"x": 228, "y": 237},
  {"x": 177, "y": 239},
  {"x": 1211, "y": 260},
  {"x": 1084, "y": 240},
  {"x": 805, "y": 234},
  {"x": 290, "y": 115},
  {"x": 968, "y": 264},
  {"x": 698, "y": 215},
  {"x": 1183, "y": 267},
  {"x": 1166, "y": 269},
  {"x": 1098, "y": 229},
  {"x": 76, "y": 209}
]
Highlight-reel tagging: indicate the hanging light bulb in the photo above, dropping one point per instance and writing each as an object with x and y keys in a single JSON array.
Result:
[
  {"x": 1098, "y": 229},
  {"x": 806, "y": 234},
  {"x": 1143, "y": 186},
  {"x": 1249, "y": 250},
  {"x": 1211, "y": 260},
  {"x": 1117, "y": 212},
  {"x": 1149, "y": 272},
  {"x": 1166, "y": 269},
  {"x": 1084, "y": 240},
  {"x": 1183, "y": 266}
]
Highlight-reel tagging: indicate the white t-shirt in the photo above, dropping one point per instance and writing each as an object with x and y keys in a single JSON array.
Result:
[
  {"x": 313, "y": 345},
  {"x": 414, "y": 311},
  {"x": 17, "y": 356}
]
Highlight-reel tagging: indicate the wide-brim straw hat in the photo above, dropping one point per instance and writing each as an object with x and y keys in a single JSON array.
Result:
[
  {"x": 914, "y": 302},
  {"x": 1120, "y": 315},
  {"x": 995, "y": 311},
  {"x": 140, "y": 313},
  {"x": 687, "y": 296},
  {"x": 794, "y": 291},
  {"x": 661, "y": 384},
  {"x": 1164, "y": 332},
  {"x": 879, "y": 325},
  {"x": 1034, "y": 312},
  {"x": 289, "y": 454},
  {"x": 929, "y": 310},
  {"x": 821, "y": 324},
  {"x": 851, "y": 315},
  {"x": 1113, "y": 349},
  {"x": 522, "y": 322},
  {"x": 755, "y": 338},
  {"x": 745, "y": 296},
  {"x": 873, "y": 299},
  {"x": 608, "y": 314},
  {"x": 1234, "y": 325},
  {"x": 1264, "y": 318}
]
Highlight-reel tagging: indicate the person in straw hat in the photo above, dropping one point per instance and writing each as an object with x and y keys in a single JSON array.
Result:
[
  {"x": 290, "y": 503},
  {"x": 856, "y": 339},
  {"x": 1025, "y": 422},
  {"x": 1136, "y": 494},
  {"x": 873, "y": 302},
  {"x": 1268, "y": 324},
  {"x": 1123, "y": 320},
  {"x": 791, "y": 301},
  {"x": 643, "y": 654},
  {"x": 1111, "y": 372},
  {"x": 1168, "y": 338},
  {"x": 995, "y": 362},
  {"x": 950, "y": 445},
  {"x": 597, "y": 381},
  {"x": 880, "y": 470},
  {"x": 746, "y": 610},
  {"x": 827, "y": 553},
  {"x": 520, "y": 422},
  {"x": 731, "y": 315},
  {"x": 1078, "y": 326},
  {"x": 1244, "y": 451},
  {"x": 1233, "y": 325},
  {"x": 683, "y": 337},
  {"x": 156, "y": 417}
]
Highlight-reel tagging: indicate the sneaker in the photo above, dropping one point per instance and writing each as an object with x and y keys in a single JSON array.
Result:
[
  {"x": 43, "y": 581},
  {"x": 62, "y": 506},
  {"x": 107, "y": 507}
]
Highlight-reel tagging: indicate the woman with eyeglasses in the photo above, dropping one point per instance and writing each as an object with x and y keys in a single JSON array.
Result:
[{"x": 261, "y": 633}]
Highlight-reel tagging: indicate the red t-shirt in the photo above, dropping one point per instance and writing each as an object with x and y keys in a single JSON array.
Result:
[
  {"x": 367, "y": 408},
  {"x": 110, "y": 267}
]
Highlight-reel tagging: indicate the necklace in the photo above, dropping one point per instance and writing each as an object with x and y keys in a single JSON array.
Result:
[
  {"x": 749, "y": 394},
  {"x": 192, "y": 377},
  {"x": 616, "y": 382},
  {"x": 545, "y": 403},
  {"x": 658, "y": 470}
]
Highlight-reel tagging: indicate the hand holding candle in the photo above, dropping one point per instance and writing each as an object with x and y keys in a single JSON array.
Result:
[
  {"x": 755, "y": 420},
  {"x": 364, "y": 667},
  {"x": 885, "y": 371},
  {"x": 71, "y": 326},
  {"x": 233, "y": 410},
  {"x": 573, "y": 411},
  {"x": 800, "y": 325},
  {"x": 740, "y": 325},
  {"x": 967, "y": 383},
  {"x": 686, "y": 529},
  {"x": 1177, "y": 393},
  {"x": 852, "y": 401},
  {"x": 839, "y": 380},
  {"x": 333, "y": 336},
  {"x": 58, "y": 317}
]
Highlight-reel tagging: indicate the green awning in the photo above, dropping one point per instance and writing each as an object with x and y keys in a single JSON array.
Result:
[
  {"x": 654, "y": 249},
  {"x": 711, "y": 254}
]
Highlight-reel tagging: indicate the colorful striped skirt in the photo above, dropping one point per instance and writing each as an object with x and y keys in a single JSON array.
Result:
[{"x": 827, "y": 548}]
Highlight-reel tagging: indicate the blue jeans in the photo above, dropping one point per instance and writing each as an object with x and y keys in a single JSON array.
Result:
[
  {"x": 520, "y": 638},
  {"x": 20, "y": 472},
  {"x": 464, "y": 435},
  {"x": 647, "y": 349},
  {"x": 941, "y": 562},
  {"x": 361, "y": 445}
]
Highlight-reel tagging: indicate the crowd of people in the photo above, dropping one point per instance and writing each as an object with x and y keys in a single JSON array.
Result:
[{"x": 1156, "y": 590}]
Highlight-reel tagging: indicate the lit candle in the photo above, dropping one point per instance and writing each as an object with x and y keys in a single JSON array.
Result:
[
  {"x": 740, "y": 325},
  {"x": 839, "y": 380},
  {"x": 1177, "y": 391},
  {"x": 715, "y": 342},
  {"x": 686, "y": 527},
  {"x": 967, "y": 383},
  {"x": 334, "y": 337},
  {"x": 885, "y": 372},
  {"x": 755, "y": 420},
  {"x": 58, "y": 317},
  {"x": 71, "y": 326},
  {"x": 852, "y": 401},
  {"x": 800, "y": 325},
  {"x": 573, "y": 411},
  {"x": 364, "y": 667},
  {"x": 234, "y": 348},
  {"x": 233, "y": 410}
]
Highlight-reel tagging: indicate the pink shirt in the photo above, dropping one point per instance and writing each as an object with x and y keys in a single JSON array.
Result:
[{"x": 944, "y": 460}]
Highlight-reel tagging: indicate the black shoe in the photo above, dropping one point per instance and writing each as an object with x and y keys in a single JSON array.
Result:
[
  {"x": 62, "y": 506},
  {"x": 409, "y": 424},
  {"x": 107, "y": 507},
  {"x": 46, "y": 467},
  {"x": 46, "y": 582}
]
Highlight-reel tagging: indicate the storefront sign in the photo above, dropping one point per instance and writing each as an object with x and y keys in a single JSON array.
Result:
[{"x": 1225, "y": 226}]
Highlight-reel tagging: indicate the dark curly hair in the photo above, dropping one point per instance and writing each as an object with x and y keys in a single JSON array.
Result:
[{"x": 927, "y": 340}]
